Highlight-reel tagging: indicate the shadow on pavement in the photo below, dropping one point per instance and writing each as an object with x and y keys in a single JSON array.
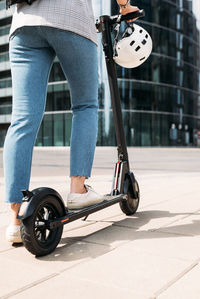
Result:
[{"x": 103, "y": 240}]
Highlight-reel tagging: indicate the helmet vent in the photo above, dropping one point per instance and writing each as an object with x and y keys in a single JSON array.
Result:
[
  {"x": 142, "y": 58},
  {"x": 144, "y": 41},
  {"x": 141, "y": 31},
  {"x": 132, "y": 43},
  {"x": 138, "y": 48},
  {"x": 146, "y": 35}
]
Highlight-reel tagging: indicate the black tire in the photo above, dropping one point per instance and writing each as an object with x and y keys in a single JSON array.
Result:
[
  {"x": 130, "y": 205},
  {"x": 37, "y": 238}
]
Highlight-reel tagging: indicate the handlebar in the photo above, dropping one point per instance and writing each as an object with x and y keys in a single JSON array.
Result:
[
  {"x": 119, "y": 18},
  {"x": 133, "y": 15}
]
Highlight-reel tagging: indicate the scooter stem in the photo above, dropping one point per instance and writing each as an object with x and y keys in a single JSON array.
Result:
[{"x": 114, "y": 90}]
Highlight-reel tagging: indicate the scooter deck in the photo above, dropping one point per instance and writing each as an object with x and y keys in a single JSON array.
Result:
[{"x": 72, "y": 215}]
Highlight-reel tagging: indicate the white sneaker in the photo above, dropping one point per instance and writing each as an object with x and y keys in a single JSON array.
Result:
[
  {"x": 13, "y": 234},
  {"x": 77, "y": 201}
]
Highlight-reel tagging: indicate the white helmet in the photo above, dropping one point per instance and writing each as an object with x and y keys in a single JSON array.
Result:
[{"x": 134, "y": 47}]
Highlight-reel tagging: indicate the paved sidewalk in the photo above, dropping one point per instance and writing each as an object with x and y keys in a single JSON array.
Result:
[{"x": 153, "y": 254}]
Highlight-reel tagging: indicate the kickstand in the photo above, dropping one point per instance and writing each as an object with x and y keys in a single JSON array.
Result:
[{"x": 84, "y": 219}]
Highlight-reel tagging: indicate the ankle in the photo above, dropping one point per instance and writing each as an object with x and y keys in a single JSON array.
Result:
[
  {"x": 77, "y": 185},
  {"x": 14, "y": 211},
  {"x": 15, "y": 222},
  {"x": 78, "y": 189}
]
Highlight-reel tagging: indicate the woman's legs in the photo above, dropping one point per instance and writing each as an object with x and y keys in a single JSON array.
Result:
[
  {"x": 31, "y": 59},
  {"x": 78, "y": 58}
]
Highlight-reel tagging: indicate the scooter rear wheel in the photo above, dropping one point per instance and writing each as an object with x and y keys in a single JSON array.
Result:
[
  {"x": 36, "y": 235},
  {"x": 130, "y": 205}
]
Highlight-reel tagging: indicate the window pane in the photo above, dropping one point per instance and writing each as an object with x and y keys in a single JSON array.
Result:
[{"x": 58, "y": 129}]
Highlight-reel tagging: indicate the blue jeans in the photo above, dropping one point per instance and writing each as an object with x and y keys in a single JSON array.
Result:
[{"x": 32, "y": 51}]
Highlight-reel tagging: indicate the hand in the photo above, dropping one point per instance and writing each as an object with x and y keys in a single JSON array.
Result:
[{"x": 129, "y": 9}]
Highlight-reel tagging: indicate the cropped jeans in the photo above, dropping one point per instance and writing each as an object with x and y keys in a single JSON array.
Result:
[{"x": 32, "y": 51}]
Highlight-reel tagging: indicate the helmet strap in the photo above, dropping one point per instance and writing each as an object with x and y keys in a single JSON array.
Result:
[
  {"x": 117, "y": 30},
  {"x": 129, "y": 30}
]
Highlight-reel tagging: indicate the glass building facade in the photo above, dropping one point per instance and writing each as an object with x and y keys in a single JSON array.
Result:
[{"x": 160, "y": 99}]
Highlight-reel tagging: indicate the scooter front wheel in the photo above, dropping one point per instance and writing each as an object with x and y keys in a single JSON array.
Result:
[
  {"x": 130, "y": 205},
  {"x": 36, "y": 235}
]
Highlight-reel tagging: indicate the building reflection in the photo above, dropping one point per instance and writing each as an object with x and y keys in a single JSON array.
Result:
[{"x": 160, "y": 99}]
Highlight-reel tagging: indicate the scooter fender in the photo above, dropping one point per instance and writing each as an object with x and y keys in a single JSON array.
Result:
[{"x": 32, "y": 199}]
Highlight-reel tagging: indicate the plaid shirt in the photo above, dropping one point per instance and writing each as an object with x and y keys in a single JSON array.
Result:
[{"x": 72, "y": 15}]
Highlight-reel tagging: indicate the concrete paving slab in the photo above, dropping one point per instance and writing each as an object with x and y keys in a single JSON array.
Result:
[
  {"x": 166, "y": 245},
  {"x": 113, "y": 236},
  {"x": 73, "y": 226},
  {"x": 5, "y": 218},
  {"x": 166, "y": 202},
  {"x": 188, "y": 226},
  {"x": 158, "y": 242},
  {"x": 64, "y": 286},
  {"x": 187, "y": 287},
  {"x": 106, "y": 214},
  {"x": 16, "y": 274},
  {"x": 161, "y": 195},
  {"x": 129, "y": 269},
  {"x": 151, "y": 218},
  {"x": 4, "y": 245},
  {"x": 144, "y": 276},
  {"x": 19, "y": 269},
  {"x": 143, "y": 220},
  {"x": 85, "y": 230}
]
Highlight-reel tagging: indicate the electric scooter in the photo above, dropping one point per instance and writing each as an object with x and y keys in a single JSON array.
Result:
[{"x": 43, "y": 212}]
